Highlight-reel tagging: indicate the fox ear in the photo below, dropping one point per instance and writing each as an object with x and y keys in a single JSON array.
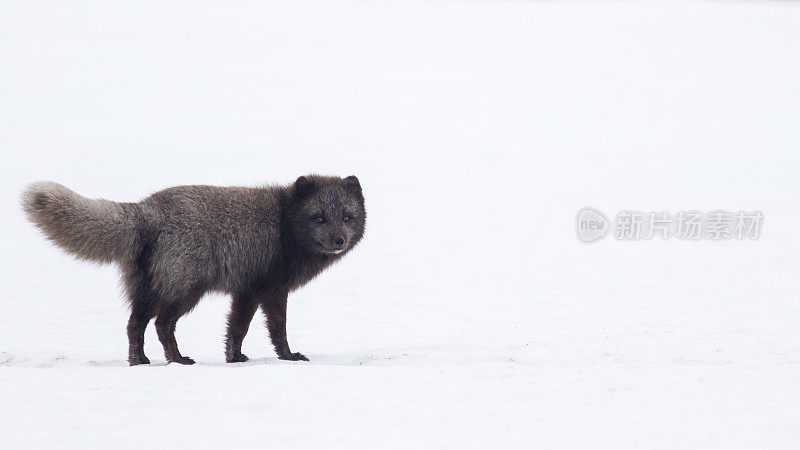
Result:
[
  {"x": 304, "y": 186},
  {"x": 352, "y": 183}
]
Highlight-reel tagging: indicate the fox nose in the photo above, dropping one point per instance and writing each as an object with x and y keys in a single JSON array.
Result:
[{"x": 339, "y": 241}]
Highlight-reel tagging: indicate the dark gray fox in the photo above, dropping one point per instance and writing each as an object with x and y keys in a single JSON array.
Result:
[{"x": 257, "y": 244}]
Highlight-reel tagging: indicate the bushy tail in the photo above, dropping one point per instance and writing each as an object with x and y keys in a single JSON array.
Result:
[{"x": 97, "y": 230}]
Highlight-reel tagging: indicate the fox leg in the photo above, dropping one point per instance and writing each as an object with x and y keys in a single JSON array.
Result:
[
  {"x": 142, "y": 303},
  {"x": 165, "y": 327},
  {"x": 243, "y": 308},
  {"x": 274, "y": 307},
  {"x": 140, "y": 317}
]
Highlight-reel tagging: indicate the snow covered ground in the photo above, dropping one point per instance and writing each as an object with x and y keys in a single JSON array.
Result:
[{"x": 470, "y": 316}]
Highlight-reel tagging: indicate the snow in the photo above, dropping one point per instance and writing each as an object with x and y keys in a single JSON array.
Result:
[{"x": 470, "y": 316}]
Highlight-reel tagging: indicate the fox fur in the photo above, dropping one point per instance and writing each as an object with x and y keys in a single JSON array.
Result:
[{"x": 256, "y": 244}]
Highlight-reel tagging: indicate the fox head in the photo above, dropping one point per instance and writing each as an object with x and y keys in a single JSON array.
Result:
[{"x": 326, "y": 213}]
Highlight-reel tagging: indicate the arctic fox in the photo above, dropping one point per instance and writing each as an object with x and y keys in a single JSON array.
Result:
[{"x": 257, "y": 244}]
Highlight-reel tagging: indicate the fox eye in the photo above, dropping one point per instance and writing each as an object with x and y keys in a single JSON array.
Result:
[
  {"x": 319, "y": 219},
  {"x": 346, "y": 218}
]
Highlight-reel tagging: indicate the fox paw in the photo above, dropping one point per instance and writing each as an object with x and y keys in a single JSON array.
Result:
[
  {"x": 237, "y": 358},
  {"x": 294, "y": 357},
  {"x": 136, "y": 360},
  {"x": 185, "y": 360}
]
